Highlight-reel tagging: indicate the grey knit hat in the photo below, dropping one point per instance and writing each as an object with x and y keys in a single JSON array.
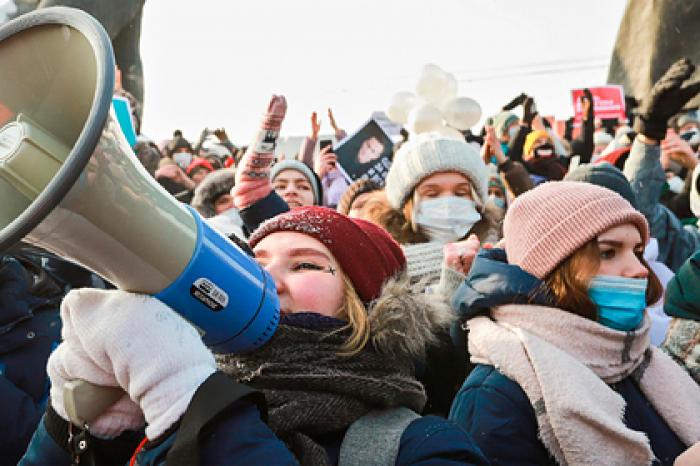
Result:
[
  {"x": 290, "y": 164},
  {"x": 502, "y": 121},
  {"x": 607, "y": 176},
  {"x": 427, "y": 154},
  {"x": 212, "y": 186}
]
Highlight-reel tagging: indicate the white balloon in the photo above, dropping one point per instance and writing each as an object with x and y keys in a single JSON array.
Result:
[
  {"x": 450, "y": 91},
  {"x": 432, "y": 84},
  {"x": 462, "y": 113},
  {"x": 450, "y": 133},
  {"x": 401, "y": 105},
  {"x": 424, "y": 119}
]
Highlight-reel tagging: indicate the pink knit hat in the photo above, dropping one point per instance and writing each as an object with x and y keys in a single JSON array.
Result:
[{"x": 548, "y": 224}]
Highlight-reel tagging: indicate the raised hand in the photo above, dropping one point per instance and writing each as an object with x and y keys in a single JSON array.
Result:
[
  {"x": 666, "y": 98},
  {"x": 315, "y": 125},
  {"x": 459, "y": 256},
  {"x": 331, "y": 118},
  {"x": 253, "y": 173},
  {"x": 325, "y": 162},
  {"x": 519, "y": 100}
]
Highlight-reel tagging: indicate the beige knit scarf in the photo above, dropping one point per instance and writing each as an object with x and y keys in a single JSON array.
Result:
[{"x": 564, "y": 362}]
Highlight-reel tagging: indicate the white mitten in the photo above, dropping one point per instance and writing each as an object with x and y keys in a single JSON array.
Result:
[
  {"x": 156, "y": 356},
  {"x": 70, "y": 362}
]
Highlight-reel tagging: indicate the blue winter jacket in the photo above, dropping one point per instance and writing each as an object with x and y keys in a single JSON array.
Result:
[
  {"x": 677, "y": 242},
  {"x": 241, "y": 437},
  {"x": 30, "y": 327},
  {"x": 495, "y": 410}
]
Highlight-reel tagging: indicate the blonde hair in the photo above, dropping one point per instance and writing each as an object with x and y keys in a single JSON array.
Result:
[{"x": 355, "y": 312}]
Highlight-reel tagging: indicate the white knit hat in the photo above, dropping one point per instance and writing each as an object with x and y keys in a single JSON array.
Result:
[{"x": 427, "y": 154}]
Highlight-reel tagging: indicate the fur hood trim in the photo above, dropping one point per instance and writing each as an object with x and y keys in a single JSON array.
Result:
[
  {"x": 404, "y": 320},
  {"x": 214, "y": 185}
]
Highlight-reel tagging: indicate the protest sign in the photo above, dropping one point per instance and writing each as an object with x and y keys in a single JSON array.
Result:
[
  {"x": 609, "y": 102},
  {"x": 366, "y": 153}
]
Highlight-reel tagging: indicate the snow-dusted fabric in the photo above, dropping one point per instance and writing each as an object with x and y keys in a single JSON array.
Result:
[
  {"x": 133, "y": 341},
  {"x": 365, "y": 252},
  {"x": 563, "y": 363}
]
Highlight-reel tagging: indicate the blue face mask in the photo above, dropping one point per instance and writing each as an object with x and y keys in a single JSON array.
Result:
[
  {"x": 497, "y": 201},
  {"x": 620, "y": 301}
]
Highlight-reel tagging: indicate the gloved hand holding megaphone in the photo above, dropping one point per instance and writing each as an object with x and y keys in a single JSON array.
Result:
[{"x": 70, "y": 184}]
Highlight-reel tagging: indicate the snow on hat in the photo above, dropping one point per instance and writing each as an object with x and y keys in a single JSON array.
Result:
[
  {"x": 605, "y": 175},
  {"x": 301, "y": 167},
  {"x": 366, "y": 253},
  {"x": 427, "y": 154},
  {"x": 546, "y": 225},
  {"x": 212, "y": 186},
  {"x": 502, "y": 121}
]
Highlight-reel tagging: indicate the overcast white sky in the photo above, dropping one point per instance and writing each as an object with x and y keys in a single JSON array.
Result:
[{"x": 215, "y": 63}]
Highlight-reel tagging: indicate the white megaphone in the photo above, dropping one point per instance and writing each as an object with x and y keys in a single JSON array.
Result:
[{"x": 70, "y": 184}]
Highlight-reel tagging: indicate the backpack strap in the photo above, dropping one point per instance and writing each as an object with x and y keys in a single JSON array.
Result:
[
  {"x": 374, "y": 439},
  {"x": 211, "y": 402}
]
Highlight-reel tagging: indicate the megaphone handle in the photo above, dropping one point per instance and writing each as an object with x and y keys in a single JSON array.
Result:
[{"x": 85, "y": 401}]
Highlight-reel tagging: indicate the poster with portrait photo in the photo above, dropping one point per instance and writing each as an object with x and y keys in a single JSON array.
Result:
[{"x": 366, "y": 153}]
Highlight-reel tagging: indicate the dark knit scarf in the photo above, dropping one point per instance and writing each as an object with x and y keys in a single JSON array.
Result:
[{"x": 311, "y": 391}]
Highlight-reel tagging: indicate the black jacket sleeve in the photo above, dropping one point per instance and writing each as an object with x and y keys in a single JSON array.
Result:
[{"x": 266, "y": 208}]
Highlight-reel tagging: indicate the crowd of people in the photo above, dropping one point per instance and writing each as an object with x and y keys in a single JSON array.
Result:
[{"x": 516, "y": 297}]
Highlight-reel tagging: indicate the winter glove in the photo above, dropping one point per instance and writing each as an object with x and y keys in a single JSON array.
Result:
[
  {"x": 665, "y": 99},
  {"x": 515, "y": 102},
  {"x": 117, "y": 338},
  {"x": 529, "y": 110},
  {"x": 253, "y": 173}
]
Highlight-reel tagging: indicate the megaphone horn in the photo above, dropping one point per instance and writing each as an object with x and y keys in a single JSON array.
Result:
[{"x": 70, "y": 184}]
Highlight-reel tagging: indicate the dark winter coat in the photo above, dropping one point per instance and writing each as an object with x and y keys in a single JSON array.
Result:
[
  {"x": 266, "y": 208},
  {"x": 30, "y": 328},
  {"x": 495, "y": 410},
  {"x": 241, "y": 437}
]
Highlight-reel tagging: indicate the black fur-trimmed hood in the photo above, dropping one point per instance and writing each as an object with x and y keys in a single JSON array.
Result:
[
  {"x": 214, "y": 185},
  {"x": 404, "y": 320}
]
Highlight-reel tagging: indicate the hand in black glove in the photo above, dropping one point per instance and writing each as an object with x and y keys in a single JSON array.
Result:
[
  {"x": 529, "y": 110},
  {"x": 666, "y": 98},
  {"x": 515, "y": 102}
]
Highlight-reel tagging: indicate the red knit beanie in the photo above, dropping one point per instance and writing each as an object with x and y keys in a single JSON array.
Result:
[
  {"x": 366, "y": 253},
  {"x": 546, "y": 225}
]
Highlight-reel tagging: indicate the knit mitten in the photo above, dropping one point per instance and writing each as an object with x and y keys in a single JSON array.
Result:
[
  {"x": 153, "y": 354},
  {"x": 253, "y": 173},
  {"x": 69, "y": 362}
]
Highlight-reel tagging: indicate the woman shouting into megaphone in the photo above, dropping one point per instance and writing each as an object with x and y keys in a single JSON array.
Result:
[{"x": 335, "y": 384}]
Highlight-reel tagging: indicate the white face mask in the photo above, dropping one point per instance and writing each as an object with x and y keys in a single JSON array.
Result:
[
  {"x": 675, "y": 184},
  {"x": 446, "y": 219},
  {"x": 182, "y": 159},
  {"x": 513, "y": 131}
]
